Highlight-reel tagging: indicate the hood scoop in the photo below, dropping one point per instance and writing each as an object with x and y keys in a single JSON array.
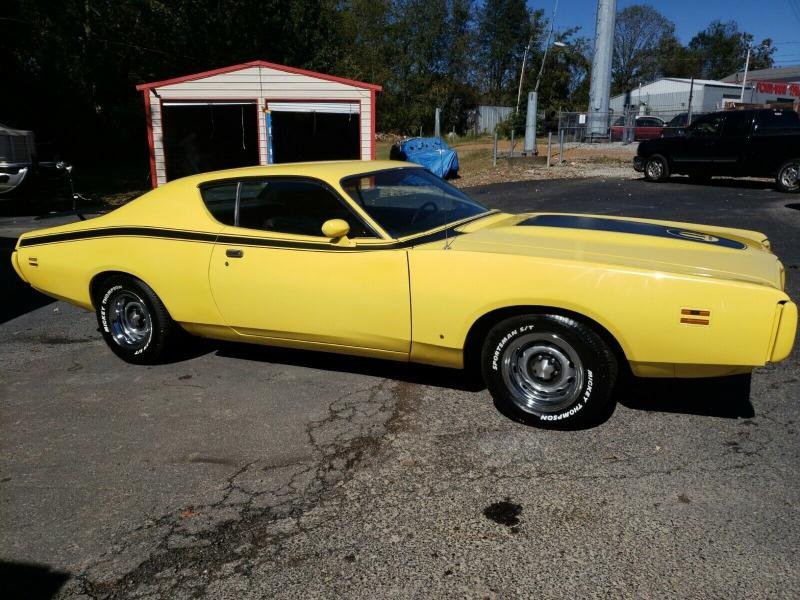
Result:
[{"x": 629, "y": 227}]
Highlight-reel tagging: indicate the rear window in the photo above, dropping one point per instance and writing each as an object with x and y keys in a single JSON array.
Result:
[{"x": 649, "y": 122}]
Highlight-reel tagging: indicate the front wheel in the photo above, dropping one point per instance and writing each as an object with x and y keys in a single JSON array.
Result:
[
  {"x": 549, "y": 370},
  {"x": 133, "y": 320},
  {"x": 788, "y": 177},
  {"x": 656, "y": 168}
]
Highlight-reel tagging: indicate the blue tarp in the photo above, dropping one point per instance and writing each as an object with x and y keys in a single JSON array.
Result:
[{"x": 432, "y": 153}]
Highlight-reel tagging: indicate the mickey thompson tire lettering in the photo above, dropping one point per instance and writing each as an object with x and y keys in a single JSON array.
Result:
[
  {"x": 574, "y": 409},
  {"x": 104, "y": 307},
  {"x": 599, "y": 368}
]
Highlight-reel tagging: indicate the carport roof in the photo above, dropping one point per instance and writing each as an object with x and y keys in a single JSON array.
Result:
[{"x": 259, "y": 63}]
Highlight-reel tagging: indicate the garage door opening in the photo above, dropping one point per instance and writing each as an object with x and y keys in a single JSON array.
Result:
[
  {"x": 303, "y": 136},
  {"x": 201, "y": 137}
]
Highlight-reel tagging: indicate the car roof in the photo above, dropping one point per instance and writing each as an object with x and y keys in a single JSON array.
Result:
[{"x": 326, "y": 170}]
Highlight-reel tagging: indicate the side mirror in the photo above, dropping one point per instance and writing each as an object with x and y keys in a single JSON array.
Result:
[{"x": 335, "y": 228}]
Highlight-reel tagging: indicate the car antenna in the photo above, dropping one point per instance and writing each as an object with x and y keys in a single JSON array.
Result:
[{"x": 446, "y": 236}]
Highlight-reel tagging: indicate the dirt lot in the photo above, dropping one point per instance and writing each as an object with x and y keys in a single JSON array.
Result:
[{"x": 579, "y": 160}]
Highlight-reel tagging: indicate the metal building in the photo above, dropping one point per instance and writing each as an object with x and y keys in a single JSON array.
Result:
[
  {"x": 255, "y": 113},
  {"x": 669, "y": 96}
]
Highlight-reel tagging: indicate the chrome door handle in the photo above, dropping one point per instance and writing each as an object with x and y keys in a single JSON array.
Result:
[{"x": 234, "y": 253}]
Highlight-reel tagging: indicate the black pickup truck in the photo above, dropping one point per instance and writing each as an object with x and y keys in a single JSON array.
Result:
[{"x": 735, "y": 143}]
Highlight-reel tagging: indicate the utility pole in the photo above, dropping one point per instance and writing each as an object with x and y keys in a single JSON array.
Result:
[
  {"x": 530, "y": 124},
  {"x": 689, "y": 113},
  {"x": 522, "y": 72},
  {"x": 746, "y": 65},
  {"x": 600, "y": 85}
]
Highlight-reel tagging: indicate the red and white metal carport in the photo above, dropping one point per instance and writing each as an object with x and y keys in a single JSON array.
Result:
[{"x": 270, "y": 88}]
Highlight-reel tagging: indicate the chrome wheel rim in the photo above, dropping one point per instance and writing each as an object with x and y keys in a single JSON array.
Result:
[
  {"x": 543, "y": 373},
  {"x": 655, "y": 169},
  {"x": 790, "y": 176},
  {"x": 129, "y": 320}
]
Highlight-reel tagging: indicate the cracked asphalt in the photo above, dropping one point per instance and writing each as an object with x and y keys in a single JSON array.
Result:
[{"x": 248, "y": 472}]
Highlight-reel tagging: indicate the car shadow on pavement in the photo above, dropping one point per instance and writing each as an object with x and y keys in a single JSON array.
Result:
[
  {"x": 399, "y": 371},
  {"x": 30, "y": 581},
  {"x": 723, "y": 182},
  {"x": 18, "y": 297},
  {"x": 725, "y": 397}
]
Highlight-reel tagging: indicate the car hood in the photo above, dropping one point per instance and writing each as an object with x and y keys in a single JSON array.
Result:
[{"x": 665, "y": 246}]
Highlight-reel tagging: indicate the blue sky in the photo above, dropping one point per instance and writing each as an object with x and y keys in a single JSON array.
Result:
[{"x": 775, "y": 19}]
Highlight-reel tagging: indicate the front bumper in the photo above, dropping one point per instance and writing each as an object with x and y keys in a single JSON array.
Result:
[{"x": 638, "y": 163}]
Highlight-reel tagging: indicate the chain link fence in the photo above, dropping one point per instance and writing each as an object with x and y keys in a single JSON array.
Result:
[{"x": 631, "y": 124}]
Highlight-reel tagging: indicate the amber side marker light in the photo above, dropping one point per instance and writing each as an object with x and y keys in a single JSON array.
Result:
[{"x": 695, "y": 316}]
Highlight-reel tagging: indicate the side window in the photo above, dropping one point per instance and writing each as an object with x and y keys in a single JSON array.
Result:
[
  {"x": 737, "y": 124},
  {"x": 778, "y": 119},
  {"x": 293, "y": 206},
  {"x": 220, "y": 200},
  {"x": 708, "y": 126}
]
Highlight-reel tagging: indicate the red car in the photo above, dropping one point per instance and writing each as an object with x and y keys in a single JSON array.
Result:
[{"x": 646, "y": 128}]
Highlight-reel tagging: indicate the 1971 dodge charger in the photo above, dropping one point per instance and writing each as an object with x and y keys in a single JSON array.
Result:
[{"x": 384, "y": 259}]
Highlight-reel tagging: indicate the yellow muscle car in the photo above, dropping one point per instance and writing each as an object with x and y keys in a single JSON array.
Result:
[{"x": 383, "y": 259}]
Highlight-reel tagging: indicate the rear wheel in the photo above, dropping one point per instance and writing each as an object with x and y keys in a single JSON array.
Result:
[
  {"x": 656, "y": 168},
  {"x": 133, "y": 320},
  {"x": 549, "y": 370},
  {"x": 788, "y": 177}
]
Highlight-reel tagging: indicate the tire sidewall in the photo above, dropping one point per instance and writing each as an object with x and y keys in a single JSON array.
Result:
[
  {"x": 664, "y": 167},
  {"x": 596, "y": 385},
  {"x": 784, "y": 166},
  {"x": 106, "y": 294}
]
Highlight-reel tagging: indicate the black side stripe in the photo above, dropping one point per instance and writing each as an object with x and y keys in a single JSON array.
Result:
[{"x": 197, "y": 236}]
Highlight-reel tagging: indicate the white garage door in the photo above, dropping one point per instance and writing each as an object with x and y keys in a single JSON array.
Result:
[{"x": 345, "y": 108}]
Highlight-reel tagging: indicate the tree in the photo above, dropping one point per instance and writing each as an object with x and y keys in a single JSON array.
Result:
[
  {"x": 721, "y": 49},
  {"x": 640, "y": 30},
  {"x": 566, "y": 70},
  {"x": 504, "y": 28},
  {"x": 676, "y": 60}
]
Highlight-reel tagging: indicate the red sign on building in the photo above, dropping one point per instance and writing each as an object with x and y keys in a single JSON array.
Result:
[{"x": 778, "y": 88}]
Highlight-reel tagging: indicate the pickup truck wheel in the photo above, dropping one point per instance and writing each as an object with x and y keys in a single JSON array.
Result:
[
  {"x": 656, "y": 168},
  {"x": 133, "y": 320},
  {"x": 788, "y": 177},
  {"x": 549, "y": 370}
]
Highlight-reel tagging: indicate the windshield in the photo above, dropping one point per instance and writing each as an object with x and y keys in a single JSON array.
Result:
[{"x": 409, "y": 201}]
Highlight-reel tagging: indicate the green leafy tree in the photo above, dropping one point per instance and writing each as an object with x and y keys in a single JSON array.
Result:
[
  {"x": 721, "y": 49},
  {"x": 504, "y": 28}
]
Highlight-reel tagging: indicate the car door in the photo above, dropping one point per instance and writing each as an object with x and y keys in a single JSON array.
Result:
[
  {"x": 274, "y": 275},
  {"x": 731, "y": 145},
  {"x": 695, "y": 151}
]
